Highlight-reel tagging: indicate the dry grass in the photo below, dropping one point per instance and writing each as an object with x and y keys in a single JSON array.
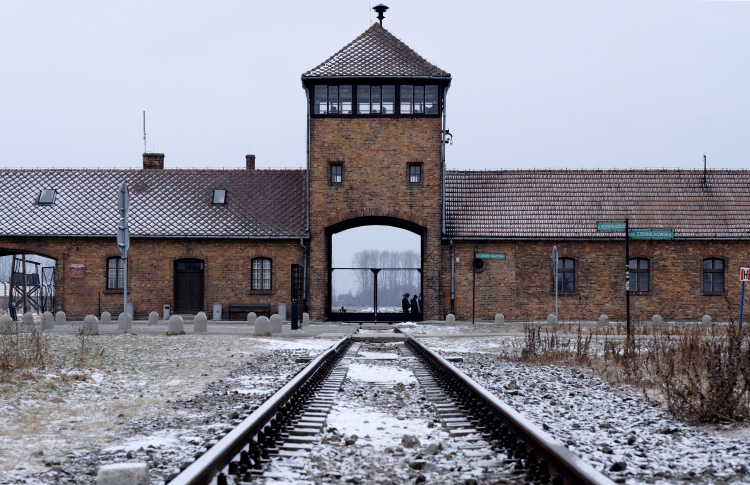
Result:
[{"x": 703, "y": 373}]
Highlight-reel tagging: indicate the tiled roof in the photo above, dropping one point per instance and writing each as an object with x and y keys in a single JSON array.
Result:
[
  {"x": 376, "y": 53},
  {"x": 163, "y": 203},
  {"x": 568, "y": 203}
]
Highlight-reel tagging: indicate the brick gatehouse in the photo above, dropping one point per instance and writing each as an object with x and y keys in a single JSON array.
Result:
[{"x": 376, "y": 155}]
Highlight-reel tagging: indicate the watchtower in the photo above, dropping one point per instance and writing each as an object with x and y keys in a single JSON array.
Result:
[{"x": 376, "y": 153}]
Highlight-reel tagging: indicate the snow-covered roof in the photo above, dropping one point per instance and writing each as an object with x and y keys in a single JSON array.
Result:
[{"x": 163, "y": 203}]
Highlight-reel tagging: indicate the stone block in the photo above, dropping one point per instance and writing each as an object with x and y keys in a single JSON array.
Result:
[
  {"x": 305, "y": 319},
  {"x": 48, "y": 321},
  {"x": 499, "y": 319},
  {"x": 276, "y": 323},
  {"x": 251, "y": 317},
  {"x": 262, "y": 326},
  {"x": 450, "y": 319},
  {"x": 176, "y": 325},
  {"x": 7, "y": 325},
  {"x": 106, "y": 318},
  {"x": 656, "y": 319},
  {"x": 200, "y": 323},
  {"x": 27, "y": 319},
  {"x": 153, "y": 318},
  {"x": 603, "y": 319},
  {"x": 91, "y": 325},
  {"x": 122, "y": 325},
  {"x": 60, "y": 318},
  {"x": 123, "y": 474},
  {"x": 706, "y": 320},
  {"x": 551, "y": 319}
]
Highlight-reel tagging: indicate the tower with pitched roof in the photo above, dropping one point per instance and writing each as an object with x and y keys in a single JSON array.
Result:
[{"x": 376, "y": 154}]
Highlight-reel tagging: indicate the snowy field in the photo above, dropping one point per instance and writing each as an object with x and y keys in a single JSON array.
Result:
[
  {"x": 152, "y": 398},
  {"x": 606, "y": 424}
]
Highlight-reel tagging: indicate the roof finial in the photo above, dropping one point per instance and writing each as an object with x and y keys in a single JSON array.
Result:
[{"x": 380, "y": 9}]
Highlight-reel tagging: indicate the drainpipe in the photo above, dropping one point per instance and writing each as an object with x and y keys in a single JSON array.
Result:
[
  {"x": 307, "y": 173},
  {"x": 445, "y": 96},
  {"x": 304, "y": 274},
  {"x": 453, "y": 263}
]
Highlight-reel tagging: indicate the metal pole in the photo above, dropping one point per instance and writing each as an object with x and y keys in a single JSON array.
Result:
[
  {"x": 375, "y": 294},
  {"x": 473, "y": 288},
  {"x": 453, "y": 294},
  {"x": 742, "y": 302},
  {"x": 627, "y": 273},
  {"x": 12, "y": 281},
  {"x": 23, "y": 262},
  {"x": 126, "y": 325}
]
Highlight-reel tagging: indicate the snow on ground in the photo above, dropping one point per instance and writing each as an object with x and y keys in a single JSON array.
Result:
[
  {"x": 605, "y": 423},
  {"x": 132, "y": 392}
]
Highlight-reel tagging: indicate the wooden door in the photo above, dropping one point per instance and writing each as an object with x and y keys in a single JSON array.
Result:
[{"x": 188, "y": 286}]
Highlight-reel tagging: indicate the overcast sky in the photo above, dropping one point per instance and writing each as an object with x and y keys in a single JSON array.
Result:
[{"x": 577, "y": 84}]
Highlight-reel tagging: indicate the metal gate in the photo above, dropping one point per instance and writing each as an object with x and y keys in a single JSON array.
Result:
[{"x": 373, "y": 294}]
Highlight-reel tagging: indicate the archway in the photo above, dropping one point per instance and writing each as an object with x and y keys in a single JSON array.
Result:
[{"x": 372, "y": 263}]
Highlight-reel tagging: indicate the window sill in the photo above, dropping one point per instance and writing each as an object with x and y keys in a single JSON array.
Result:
[
  {"x": 414, "y": 185},
  {"x": 261, "y": 292},
  {"x": 114, "y": 292},
  {"x": 640, "y": 293},
  {"x": 564, "y": 293},
  {"x": 713, "y": 293},
  {"x": 331, "y": 184}
]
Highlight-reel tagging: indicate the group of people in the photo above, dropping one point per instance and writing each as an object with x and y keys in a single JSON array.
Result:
[{"x": 415, "y": 306}]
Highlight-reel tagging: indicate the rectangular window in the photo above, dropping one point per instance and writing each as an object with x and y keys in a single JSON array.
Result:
[
  {"x": 115, "y": 274},
  {"x": 389, "y": 99},
  {"x": 321, "y": 100},
  {"x": 566, "y": 274},
  {"x": 639, "y": 272},
  {"x": 47, "y": 197},
  {"x": 333, "y": 100},
  {"x": 345, "y": 98},
  {"x": 407, "y": 96},
  {"x": 375, "y": 99},
  {"x": 363, "y": 99},
  {"x": 336, "y": 175},
  {"x": 713, "y": 275},
  {"x": 418, "y": 100},
  {"x": 415, "y": 174},
  {"x": 261, "y": 274},
  {"x": 220, "y": 196},
  {"x": 431, "y": 99}
]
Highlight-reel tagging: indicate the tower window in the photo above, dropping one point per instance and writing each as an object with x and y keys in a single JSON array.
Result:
[
  {"x": 47, "y": 197},
  {"x": 389, "y": 100},
  {"x": 363, "y": 99},
  {"x": 418, "y": 100},
  {"x": 431, "y": 99},
  {"x": 713, "y": 275},
  {"x": 415, "y": 174},
  {"x": 345, "y": 100},
  {"x": 336, "y": 174},
  {"x": 407, "y": 98},
  {"x": 321, "y": 100},
  {"x": 333, "y": 99},
  {"x": 639, "y": 272}
]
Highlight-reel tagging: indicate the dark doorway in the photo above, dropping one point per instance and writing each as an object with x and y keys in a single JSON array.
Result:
[{"x": 188, "y": 286}]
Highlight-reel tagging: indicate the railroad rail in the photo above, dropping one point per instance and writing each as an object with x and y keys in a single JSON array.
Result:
[{"x": 292, "y": 417}]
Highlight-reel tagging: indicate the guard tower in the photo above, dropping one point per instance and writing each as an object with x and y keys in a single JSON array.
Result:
[{"x": 376, "y": 153}]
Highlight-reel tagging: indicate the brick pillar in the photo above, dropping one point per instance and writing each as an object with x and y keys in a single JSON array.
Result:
[
  {"x": 153, "y": 161},
  {"x": 250, "y": 162}
]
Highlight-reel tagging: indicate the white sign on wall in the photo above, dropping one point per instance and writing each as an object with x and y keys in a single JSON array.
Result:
[{"x": 744, "y": 274}]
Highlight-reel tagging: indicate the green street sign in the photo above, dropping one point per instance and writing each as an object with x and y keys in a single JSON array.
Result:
[
  {"x": 611, "y": 226},
  {"x": 491, "y": 255},
  {"x": 651, "y": 234}
]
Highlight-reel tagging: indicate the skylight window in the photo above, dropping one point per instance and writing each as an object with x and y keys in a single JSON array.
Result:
[
  {"x": 47, "y": 197},
  {"x": 220, "y": 196}
]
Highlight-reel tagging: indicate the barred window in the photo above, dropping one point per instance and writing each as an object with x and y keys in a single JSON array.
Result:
[
  {"x": 336, "y": 173},
  {"x": 261, "y": 278},
  {"x": 713, "y": 275},
  {"x": 415, "y": 173},
  {"x": 566, "y": 274},
  {"x": 115, "y": 273},
  {"x": 639, "y": 273}
]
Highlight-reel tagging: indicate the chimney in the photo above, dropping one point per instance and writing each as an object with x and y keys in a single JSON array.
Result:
[
  {"x": 153, "y": 161},
  {"x": 250, "y": 162}
]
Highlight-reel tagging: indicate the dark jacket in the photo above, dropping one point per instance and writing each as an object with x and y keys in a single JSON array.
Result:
[
  {"x": 405, "y": 304},
  {"x": 414, "y": 306}
]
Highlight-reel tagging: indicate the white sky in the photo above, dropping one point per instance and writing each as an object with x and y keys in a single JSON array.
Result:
[
  {"x": 384, "y": 238},
  {"x": 577, "y": 84}
]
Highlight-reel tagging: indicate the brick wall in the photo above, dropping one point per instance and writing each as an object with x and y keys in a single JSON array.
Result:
[
  {"x": 521, "y": 286},
  {"x": 227, "y": 271},
  {"x": 375, "y": 154}
]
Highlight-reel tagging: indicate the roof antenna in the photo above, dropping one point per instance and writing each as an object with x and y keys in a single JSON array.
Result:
[
  {"x": 705, "y": 179},
  {"x": 145, "y": 150},
  {"x": 380, "y": 9}
]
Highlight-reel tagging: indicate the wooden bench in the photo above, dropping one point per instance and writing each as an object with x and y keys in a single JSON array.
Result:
[{"x": 245, "y": 308}]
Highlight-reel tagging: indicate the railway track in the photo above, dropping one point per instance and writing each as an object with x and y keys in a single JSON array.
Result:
[{"x": 283, "y": 438}]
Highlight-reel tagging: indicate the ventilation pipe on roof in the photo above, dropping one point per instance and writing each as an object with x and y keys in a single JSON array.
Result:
[
  {"x": 250, "y": 162},
  {"x": 153, "y": 161},
  {"x": 380, "y": 9}
]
